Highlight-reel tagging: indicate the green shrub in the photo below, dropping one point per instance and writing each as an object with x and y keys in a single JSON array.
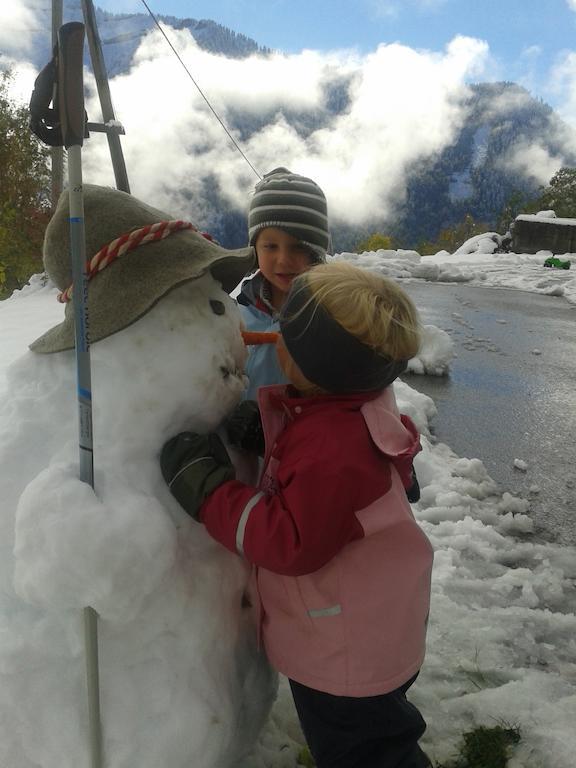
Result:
[{"x": 24, "y": 194}]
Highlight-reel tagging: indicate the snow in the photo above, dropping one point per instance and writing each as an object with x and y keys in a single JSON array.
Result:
[
  {"x": 181, "y": 682},
  {"x": 519, "y": 271},
  {"x": 436, "y": 352},
  {"x": 178, "y": 677},
  {"x": 549, "y": 217},
  {"x": 487, "y": 242}
]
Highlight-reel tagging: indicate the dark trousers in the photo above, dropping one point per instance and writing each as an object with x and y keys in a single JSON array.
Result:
[{"x": 368, "y": 732}]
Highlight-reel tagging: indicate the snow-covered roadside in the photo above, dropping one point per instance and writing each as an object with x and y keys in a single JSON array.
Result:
[
  {"x": 25, "y": 316},
  {"x": 502, "y": 635},
  {"x": 524, "y": 272}
]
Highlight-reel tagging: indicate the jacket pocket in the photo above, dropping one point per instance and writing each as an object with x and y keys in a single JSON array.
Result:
[{"x": 320, "y": 605}]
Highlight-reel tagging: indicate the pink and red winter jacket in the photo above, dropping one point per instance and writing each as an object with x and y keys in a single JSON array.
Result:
[{"x": 342, "y": 568}]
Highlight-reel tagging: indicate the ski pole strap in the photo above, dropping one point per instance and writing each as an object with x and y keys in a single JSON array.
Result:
[
  {"x": 128, "y": 242},
  {"x": 46, "y": 122}
]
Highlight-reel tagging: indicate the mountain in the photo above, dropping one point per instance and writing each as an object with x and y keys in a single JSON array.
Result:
[
  {"x": 121, "y": 34},
  {"x": 473, "y": 176}
]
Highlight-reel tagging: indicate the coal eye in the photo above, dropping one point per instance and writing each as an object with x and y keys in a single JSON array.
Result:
[{"x": 217, "y": 307}]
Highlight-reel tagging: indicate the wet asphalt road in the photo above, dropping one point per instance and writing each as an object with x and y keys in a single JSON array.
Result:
[{"x": 511, "y": 392}]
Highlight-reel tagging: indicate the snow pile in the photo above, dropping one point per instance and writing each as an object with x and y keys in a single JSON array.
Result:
[
  {"x": 436, "y": 352},
  {"x": 181, "y": 674},
  {"x": 480, "y": 266},
  {"x": 502, "y": 633},
  {"x": 549, "y": 216},
  {"x": 488, "y": 242}
]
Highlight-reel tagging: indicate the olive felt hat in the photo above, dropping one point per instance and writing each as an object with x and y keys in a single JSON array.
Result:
[{"x": 128, "y": 287}]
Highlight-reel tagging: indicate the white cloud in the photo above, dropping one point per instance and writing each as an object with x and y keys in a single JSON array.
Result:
[
  {"x": 502, "y": 104},
  {"x": 23, "y": 76},
  {"x": 534, "y": 161},
  {"x": 562, "y": 83},
  {"x": 393, "y": 8},
  {"x": 21, "y": 24},
  {"x": 526, "y": 71},
  {"x": 383, "y": 9},
  {"x": 571, "y": 4},
  {"x": 404, "y": 105},
  {"x": 532, "y": 52},
  {"x": 249, "y": 84},
  {"x": 17, "y": 24},
  {"x": 18, "y": 27}
]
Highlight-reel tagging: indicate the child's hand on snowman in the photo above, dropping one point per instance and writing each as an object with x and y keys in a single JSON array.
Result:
[
  {"x": 194, "y": 466},
  {"x": 244, "y": 428}
]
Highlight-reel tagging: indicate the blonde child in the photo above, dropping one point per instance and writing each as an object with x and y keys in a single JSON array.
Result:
[{"x": 342, "y": 567}]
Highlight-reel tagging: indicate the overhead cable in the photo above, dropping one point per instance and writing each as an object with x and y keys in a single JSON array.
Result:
[{"x": 216, "y": 115}]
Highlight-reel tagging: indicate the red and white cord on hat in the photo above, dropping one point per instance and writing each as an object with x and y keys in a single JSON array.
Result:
[{"x": 128, "y": 242}]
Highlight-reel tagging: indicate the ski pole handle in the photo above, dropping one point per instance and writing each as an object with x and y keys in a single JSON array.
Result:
[{"x": 71, "y": 83}]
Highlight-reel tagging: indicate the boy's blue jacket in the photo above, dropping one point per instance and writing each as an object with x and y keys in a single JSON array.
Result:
[{"x": 262, "y": 367}]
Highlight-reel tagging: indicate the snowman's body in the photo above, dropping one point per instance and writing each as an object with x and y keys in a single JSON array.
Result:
[{"x": 182, "y": 680}]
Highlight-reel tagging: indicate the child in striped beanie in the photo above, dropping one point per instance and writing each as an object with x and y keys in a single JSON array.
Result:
[
  {"x": 288, "y": 227},
  {"x": 294, "y": 204}
]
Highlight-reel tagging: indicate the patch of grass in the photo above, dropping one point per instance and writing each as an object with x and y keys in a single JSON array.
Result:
[
  {"x": 481, "y": 748},
  {"x": 479, "y": 677},
  {"x": 486, "y": 747}
]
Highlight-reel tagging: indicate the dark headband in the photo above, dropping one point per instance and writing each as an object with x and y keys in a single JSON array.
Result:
[{"x": 327, "y": 354}]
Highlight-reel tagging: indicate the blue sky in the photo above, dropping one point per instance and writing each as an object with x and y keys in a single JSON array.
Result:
[{"x": 526, "y": 38}]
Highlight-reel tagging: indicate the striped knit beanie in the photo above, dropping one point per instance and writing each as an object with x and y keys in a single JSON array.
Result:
[{"x": 294, "y": 204}]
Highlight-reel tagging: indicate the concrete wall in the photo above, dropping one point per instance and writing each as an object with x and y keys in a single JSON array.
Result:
[{"x": 532, "y": 234}]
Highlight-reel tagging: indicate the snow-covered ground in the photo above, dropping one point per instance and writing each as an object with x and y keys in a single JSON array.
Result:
[
  {"x": 502, "y": 633},
  {"x": 524, "y": 272}
]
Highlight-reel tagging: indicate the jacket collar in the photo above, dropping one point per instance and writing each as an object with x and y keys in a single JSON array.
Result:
[
  {"x": 286, "y": 398},
  {"x": 256, "y": 292}
]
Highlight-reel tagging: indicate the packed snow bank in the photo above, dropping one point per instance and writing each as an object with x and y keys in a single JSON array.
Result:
[
  {"x": 436, "y": 352},
  {"x": 520, "y": 271},
  {"x": 502, "y": 633},
  {"x": 182, "y": 677}
]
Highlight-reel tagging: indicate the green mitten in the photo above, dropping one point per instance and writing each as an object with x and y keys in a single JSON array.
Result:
[
  {"x": 244, "y": 428},
  {"x": 194, "y": 466}
]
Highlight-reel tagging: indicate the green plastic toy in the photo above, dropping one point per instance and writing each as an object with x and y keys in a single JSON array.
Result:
[{"x": 557, "y": 263}]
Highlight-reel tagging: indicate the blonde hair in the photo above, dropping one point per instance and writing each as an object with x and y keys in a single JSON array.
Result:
[{"x": 369, "y": 306}]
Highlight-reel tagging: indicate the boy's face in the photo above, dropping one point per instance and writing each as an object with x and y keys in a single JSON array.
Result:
[{"x": 281, "y": 258}]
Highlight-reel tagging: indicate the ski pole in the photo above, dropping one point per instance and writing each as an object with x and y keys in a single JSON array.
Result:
[{"x": 72, "y": 118}]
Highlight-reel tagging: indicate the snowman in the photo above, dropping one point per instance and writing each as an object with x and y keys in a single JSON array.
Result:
[{"x": 183, "y": 682}]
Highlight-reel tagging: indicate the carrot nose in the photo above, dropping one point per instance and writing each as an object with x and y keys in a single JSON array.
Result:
[{"x": 252, "y": 338}]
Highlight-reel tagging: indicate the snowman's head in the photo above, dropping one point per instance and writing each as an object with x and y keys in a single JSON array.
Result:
[
  {"x": 180, "y": 367},
  {"x": 136, "y": 256}
]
